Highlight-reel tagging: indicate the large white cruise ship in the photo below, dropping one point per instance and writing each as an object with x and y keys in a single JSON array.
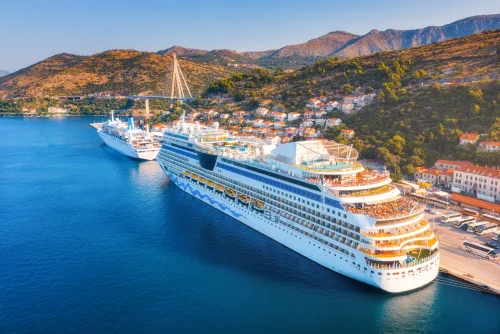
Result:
[
  {"x": 127, "y": 140},
  {"x": 311, "y": 196}
]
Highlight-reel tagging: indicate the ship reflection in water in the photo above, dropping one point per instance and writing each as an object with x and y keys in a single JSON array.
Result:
[
  {"x": 145, "y": 173},
  {"x": 408, "y": 311}
]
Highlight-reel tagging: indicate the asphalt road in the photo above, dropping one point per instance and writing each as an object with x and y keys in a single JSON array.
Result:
[{"x": 452, "y": 257}]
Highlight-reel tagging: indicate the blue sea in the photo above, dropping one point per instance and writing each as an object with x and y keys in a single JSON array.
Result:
[{"x": 93, "y": 242}]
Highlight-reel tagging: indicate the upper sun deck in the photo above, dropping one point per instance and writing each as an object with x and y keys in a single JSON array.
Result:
[{"x": 318, "y": 157}]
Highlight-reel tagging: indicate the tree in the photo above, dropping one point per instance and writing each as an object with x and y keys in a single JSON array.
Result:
[
  {"x": 475, "y": 109},
  {"x": 408, "y": 169},
  {"x": 495, "y": 130},
  {"x": 347, "y": 89},
  {"x": 416, "y": 160}
]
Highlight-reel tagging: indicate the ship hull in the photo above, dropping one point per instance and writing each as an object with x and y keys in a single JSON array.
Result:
[
  {"x": 125, "y": 149},
  {"x": 393, "y": 281}
]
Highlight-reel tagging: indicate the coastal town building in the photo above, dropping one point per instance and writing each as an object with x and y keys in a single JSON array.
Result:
[
  {"x": 348, "y": 133},
  {"x": 346, "y": 107},
  {"x": 277, "y": 116},
  {"x": 429, "y": 175},
  {"x": 261, "y": 111},
  {"x": 308, "y": 114},
  {"x": 279, "y": 124},
  {"x": 489, "y": 146},
  {"x": 306, "y": 123},
  {"x": 469, "y": 138},
  {"x": 333, "y": 122},
  {"x": 309, "y": 133},
  {"x": 313, "y": 103},
  {"x": 267, "y": 124},
  {"x": 57, "y": 110},
  {"x": 332, "y": 105},
  {"x": 293, "y": 116},
  {"x": 475, "y": 204},
  {"x": 436, "y": 177},
  {"x": 319, "y": 113},
  {"x": 450, "y": 164},
  {"x": 258, "y": 123},
  {"x": 264, "y": 103},
  {"x": 483, "y": 182}
]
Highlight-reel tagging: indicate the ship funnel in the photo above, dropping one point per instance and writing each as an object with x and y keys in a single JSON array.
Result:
[{"x": 130, "y": 123}]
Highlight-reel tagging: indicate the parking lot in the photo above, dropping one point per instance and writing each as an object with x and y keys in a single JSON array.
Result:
[{"x": 453, "y": 257}]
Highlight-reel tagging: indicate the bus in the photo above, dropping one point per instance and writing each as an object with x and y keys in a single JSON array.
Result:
[
  {"x": 491, "y": 219},
  {"x": 439, "y": 203},
  {"x": 464, "y": 220},
  {"x": 486, "y": 229},
  {"x": 472, "y": 227},
  {"x": 470, "y": 212},
  {"x": 484, "y": 251},
  {"x": 496, "y": 235},
  {"x": 450, "y": 216}
]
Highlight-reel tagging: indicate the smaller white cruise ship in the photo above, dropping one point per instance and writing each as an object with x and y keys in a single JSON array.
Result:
[{"x": 127, "y": 140}]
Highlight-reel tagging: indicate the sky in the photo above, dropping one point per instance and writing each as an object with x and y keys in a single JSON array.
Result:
[{"x": 31, "y": 31}]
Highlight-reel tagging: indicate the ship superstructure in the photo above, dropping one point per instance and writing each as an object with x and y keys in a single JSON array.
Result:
[
  {"x": 124, "y": 138},
  {"x": 313, "y": 197}
]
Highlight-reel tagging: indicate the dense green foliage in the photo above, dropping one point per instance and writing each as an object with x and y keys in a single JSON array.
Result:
[{"x": 425, "y": 125}]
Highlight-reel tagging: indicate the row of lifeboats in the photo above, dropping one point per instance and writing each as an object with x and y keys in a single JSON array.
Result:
[{"x": 230, "y": 193}]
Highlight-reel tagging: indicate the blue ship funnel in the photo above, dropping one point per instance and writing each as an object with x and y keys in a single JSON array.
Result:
[{"x": 131, "y": 123}]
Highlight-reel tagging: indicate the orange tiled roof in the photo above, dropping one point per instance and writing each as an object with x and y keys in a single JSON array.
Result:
[
  {"x": 480, "y": 170},
  {"x": 448, "y": 172},
  {"x": 432, "y": 171},
  {"x": 453, "y": 162},
  {"x": 475, "y": 202},
  {"x": 469, "y": 136},
  {"x": 490, "y": 143}
]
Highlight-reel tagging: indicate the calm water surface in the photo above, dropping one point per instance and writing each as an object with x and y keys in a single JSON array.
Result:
[{"x": 91, "y": 241}]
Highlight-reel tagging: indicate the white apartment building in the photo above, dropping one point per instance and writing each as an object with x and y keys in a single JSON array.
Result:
[
  {"x": 489, "y": 146},
  {"x": 483, "y": 182}
]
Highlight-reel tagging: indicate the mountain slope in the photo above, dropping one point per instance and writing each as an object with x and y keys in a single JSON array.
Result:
[
  {"x": 31, "y": 75},
  {"x": 3, "y": 72},
  {"x": 460, "y": 60},
  {"x": 376, "y": 41},
  {"x": 342, "y": 44},
  {"x": 113, "y": 72},
  {"x": 317, "y": 47},
  {"x": 181, "y": 51}
]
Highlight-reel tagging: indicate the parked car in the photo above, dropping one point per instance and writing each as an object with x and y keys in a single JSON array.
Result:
[{"x": 432, "y": 211}]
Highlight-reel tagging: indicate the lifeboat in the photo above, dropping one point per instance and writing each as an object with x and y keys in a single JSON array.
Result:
[
  {"x": 210, "y": 184},
  {"x": 243, "y": 199},
  {"x": 231, "y": 193},
  {"x": 219, "y": 188},
  {"x": 194, "y": 177},
  {"x": 188, "y": 174},
  {"x": 202, "y": 181},
  {"x": 258, "y": 205}
]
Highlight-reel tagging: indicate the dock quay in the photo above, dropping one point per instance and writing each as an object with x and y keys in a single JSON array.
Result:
[
  {"x": 465, "y": 266},
  {"x": 471, "y": 268}
]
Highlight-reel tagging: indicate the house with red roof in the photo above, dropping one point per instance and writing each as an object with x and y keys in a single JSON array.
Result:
[
  {"x": 469, "y": 138},
  {"x": 348, "y": 133},
  {"x": 489, "y": 146},
  {"x": 480, "y": 181}
]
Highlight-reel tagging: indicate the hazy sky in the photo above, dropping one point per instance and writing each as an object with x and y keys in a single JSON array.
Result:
[{"x": 31, "y": 31}]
